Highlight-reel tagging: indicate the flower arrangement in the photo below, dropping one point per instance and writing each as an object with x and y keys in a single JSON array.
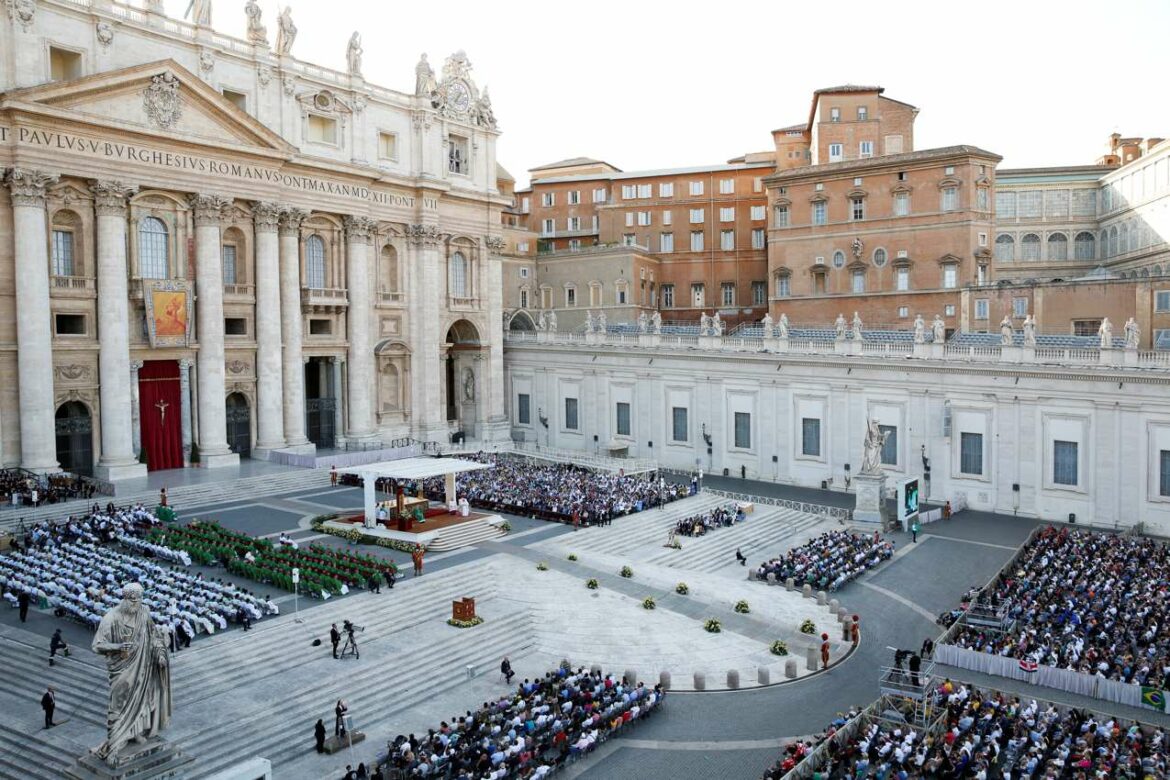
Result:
[
  {"x": 674, "y": 544},
  {"x": 591, "y": 583},
  {"x": 572, "y": 556},
  {"x": 779, "y": 647},
  {"x": 712, "y": 626},
  {"x": 682, "y": 589},
  {"x": 649, "y": 603},
  {"x": 808, "y": 627},
  {"x": 742, "y": 607},
  {"x": 475, "y": 621},
  {"x": 542, "y": 566},
  {"x": 401, "y": 545},
  {"x": 627, "y": 572},
  {"x": 505, "y": 526},
  {"x": 319, "y": 520}
]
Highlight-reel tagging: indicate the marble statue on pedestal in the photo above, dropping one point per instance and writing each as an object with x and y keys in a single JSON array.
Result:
[
  {"x": 656, "y": 323},
  {"x": 424, "y": 78},
  {"x": 1006, "y": 334},
  {"x": 1029, "y": 331},
  {"x": 919, "y": 329},
  {"x": 871, "y": 461},
  {"x": 840, "y": 326},
  {"x": 353, "y": 54},
  {"x": 286, "y": 32},
  {"x": 552, "y": 322},
  {"x": 704, "y": 325},
  {"x": 1133, "y": 333},
  {"x": 140, "y": 675},
  {"x": 716, "y": 325},
  {"x": 856, "y": 326},
  {"x": 602, "y": 327},
  {"x": 590, "y": 324},
  {"x": 257, "y": 32},
  {"x": 783, "y": 327},
  {"x": 1106, "y": 334},
  {"x": 767, "y": 326},
  {"x": 938, "y": 330},
  {"x": 643, "y": 323},
  {"x": 201, "y": 12}
]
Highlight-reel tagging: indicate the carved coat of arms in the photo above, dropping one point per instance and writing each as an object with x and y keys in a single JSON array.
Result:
[{"x": 161, "y": 100}]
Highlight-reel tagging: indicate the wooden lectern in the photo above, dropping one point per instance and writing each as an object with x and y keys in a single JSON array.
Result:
[{"x": 463, "y": 609}]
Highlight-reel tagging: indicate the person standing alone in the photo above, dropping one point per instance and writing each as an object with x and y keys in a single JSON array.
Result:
[
  {"x": 914, "y": 530},
  {"x": 48, "y": 704},
  {"x": 319, "y": 735},
  {"x": 335, "y": 638}
]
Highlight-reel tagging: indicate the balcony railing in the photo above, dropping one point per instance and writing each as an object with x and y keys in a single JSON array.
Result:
[
  {"x": 239, "y": 291},
  {"x": 74, "y": 286},
  {"x": 391, "y": 297},
  {"x": 458, "y": 302},
  {"x": 324, "y": 298}
]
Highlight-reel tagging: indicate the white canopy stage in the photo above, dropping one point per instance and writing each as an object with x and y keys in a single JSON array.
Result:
[{"x": 409, "y": 469}]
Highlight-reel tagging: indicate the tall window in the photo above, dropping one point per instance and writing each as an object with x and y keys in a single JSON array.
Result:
[
  {"x": 810, "y": 437},
  {"x": 696, "y": 240},
  {"x": 63, "y": 253},
  {"x": 950, "y": 276},
  {"x": 781, "y": 216},
  {"x": 570, "y": 296},
  {"x": 523, "y": 409},
  {"x": 743, "y": 430},
  {"x": 696, "y": 216},
  {"x": 757, "y": 212},
  {"x": 459, "y": 285},
  {"x": 599, "y": 195},
  {"x": 1030, "y": 246},
  {"x": 696, "y": 188},
  {"x": 890, "y": 446},
  {"x": 857, "y": 208},
  {"x": 727, "y": 239},
  {"x": 666, "y": 242},
  {"x": 1005, "y": 247},
  {"x": 865, "y": 149},
  {"x": 950, "y": 198},
  {"x": 759, "y": 293},
  {"x": 836, "y": 152},
  {"x": 819, "y": 212},
  {"x": 981, "y": 199},
  {"x": 1064, "y": 462},
  {"x": 229, "y": 263},
  {"x": 859, "y": 281},
  {"x": 668, "y": 296},
  {"x": 571, "y": 414},
  {"x": 727, "y": 214},
  {"x": 759, "y": 239},
  {"x": 523, "y": 299},
  {"x": 678, "y": 424},
  {"x": 623, "y": 418},
  {"x": 982, "y": 308},
  {"x": 1164, "y": 473},
  {"x": 971, "y": 453},
  {"x": 697, "y": 295},
  {"x": 574, "y": 197},
  {"x": 902, "y": 279},
  {"x": 458, "y": 160},
  {"x": 548, "y": 198},
  {"x": 727, "y": 293},
  {"x": 666, "y": 189},
  {"x": 1058, "y": 246},
  {"x": 727, "y": 186},
  {"x": 901, "y": 204},
  {"x": 783, "y": 286},
  {"x": 152, "y": 249},
  {"x": 315, "y": 262},
  {"x": 1084, "y": 246},
  {"x": 1019, "y": 307}
]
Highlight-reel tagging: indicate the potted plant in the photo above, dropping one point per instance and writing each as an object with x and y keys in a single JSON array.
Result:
[
  {"x": 591, "y": 583},
  {"x": 779, "y": 647},
  {"x": 712, "y": 626},
  {"x": 627, "y": 572},
  {"x": 682, "y": 589},
  {"x": 648, "y": 603},
  {"x": 742, "y": 607},
  {"x": 808, "y": 627}
]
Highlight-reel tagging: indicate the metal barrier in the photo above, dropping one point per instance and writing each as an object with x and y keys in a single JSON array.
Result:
[
  {"x": 585, "y": 459},
  {"x": 837, "y": 513}
]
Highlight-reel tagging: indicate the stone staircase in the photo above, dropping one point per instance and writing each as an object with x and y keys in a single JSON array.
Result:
[
  {"x": 464, "y": 535},
  {"x": 769, "y": 531},
  {"x": 185, "y": 498},
  {"x": 648, "y": 528},
  {"x": 25, "y": 757},
  {"x": 27, "y": 673}
]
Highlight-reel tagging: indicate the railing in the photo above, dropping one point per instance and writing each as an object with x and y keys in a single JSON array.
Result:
[
  {"x": 585, "y": 250},
  {"x": 324, "y": 296},
  {"x": 239, "y": 290},
  {"x": 75, "y": 283},
  {"x": 462, "y": 303},
  {"x": 588, "y": 460},
  {"x": 840, "y": 514},
  {"x": 391, "y": 297}
]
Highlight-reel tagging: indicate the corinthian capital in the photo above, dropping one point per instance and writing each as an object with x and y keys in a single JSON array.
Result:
[
  {"x": 208, "y": 208},
  {"x": 109, "y": 197},
  {"x": 421, "y": 235},
  {"x": 290, "y": 221},
  {"x": 358, "y": 228},
  {"x": 266, "y": 216},
  {"x": 28, "y": 187},
  {"x": 494, "y": 243}
]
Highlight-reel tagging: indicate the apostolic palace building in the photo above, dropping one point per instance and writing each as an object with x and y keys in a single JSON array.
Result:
[{"x": 209, "y": 248}]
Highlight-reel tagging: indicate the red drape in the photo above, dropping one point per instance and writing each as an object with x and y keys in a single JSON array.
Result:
[{"x": 160, "y": 408}]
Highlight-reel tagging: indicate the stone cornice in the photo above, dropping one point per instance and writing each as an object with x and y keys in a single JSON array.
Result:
[
  {"x": 208, "y": 209},
  {"x": 109, "y": 197},
  {"x": 266, "y": 216},
  {"x": 28, "y": 186}
]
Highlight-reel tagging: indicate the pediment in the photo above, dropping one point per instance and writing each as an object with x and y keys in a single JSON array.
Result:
[{"x": 160, "y": 98}]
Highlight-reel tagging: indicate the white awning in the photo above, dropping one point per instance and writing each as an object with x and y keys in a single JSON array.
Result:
[{"x": 414, "y": 468}]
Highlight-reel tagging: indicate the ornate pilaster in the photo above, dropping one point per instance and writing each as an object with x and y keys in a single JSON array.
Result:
[
  {"x": 34, "y": 334},
  {"x": 269, "y": 362},
  {"x": 213, "y": 448},
  {"x": 361, "y": 348},
  {"x": 293, "y": 369},
  {"x": 491, "y": 405},
  {"x": 184, "y": 405},
  {"x": 118, "y": 459},
  {"x": 427, "y": 302},
  {"x": 135, "y": 418}
]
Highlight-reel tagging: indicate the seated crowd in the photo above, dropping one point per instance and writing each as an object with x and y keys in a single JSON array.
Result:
[
  {"x": 1095, "y": 603},
  {"x": 22, "y": 488},
  {"x": 533, "y": 732},
  {"x": 100, "y": 526},
  {"x": 830, "y": 560},
  {"x": 989, "y": 734},
  {"x": 720, "y": 517},
  {"x": 83, "y": 581},
  {"x": 557, "y": 491}
]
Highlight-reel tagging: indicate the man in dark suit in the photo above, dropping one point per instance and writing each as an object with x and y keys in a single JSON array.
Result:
[
  {"x": 48, "y": 704},
  {"x": 23, "y": 600},
  {"x": 335, "y": 638}
]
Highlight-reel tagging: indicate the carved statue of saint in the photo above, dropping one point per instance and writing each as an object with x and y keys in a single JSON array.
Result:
[
  {"x": 840, "y": 326},
  {"x": 552, "y": 322},
  {"x": 856, "y": 326},
  {"x": 424, "y": 78},
  {"x": 286, "y": 32},
  {"x": 542, "y": 321},
  {"x": 938, "y": 330},
  {"x": 1006, "y": 334},
  {"x": 140, "y": 674},
  {"x": 871, "y": 461},
  {"x": 919, "y": 329},
  {"x": 353, "y": 54},
  {"x": 783, "y": 326},
  {"x": 767, "y": 323},
  {"x": 643, "y": 323},
  {"x": 602, "y": 327},
  {"x": 716, "y": 325},
  {"x": 468, "y": 384},
  {"x": 704, "y": 325},
  {"x": 1133, "y": 333},
  {"x": 484, "y": 115},
  {"x": 858, "y": 247},
  {"x": 590, "y": 323},
  {"x": 656, "y": 322},
  {"x": 1029, "y": 331},
  {"x": 1106, "y": 334},
  {"x": 257, "y": 32},
  {"x": 201, "y": 12}
]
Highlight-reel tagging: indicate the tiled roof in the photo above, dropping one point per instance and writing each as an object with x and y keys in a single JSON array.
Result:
[
  {"x": 888, "y": 159},
  {"x": 846, "y": 88},
  {"x": 571, "y": 162}
]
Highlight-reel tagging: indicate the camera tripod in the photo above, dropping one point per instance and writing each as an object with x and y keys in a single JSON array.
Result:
[{"x": 350, "y": 647}]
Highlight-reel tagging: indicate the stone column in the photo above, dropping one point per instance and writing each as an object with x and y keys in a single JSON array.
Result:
[
  {"x": 336, "y": 370},
  {"x": 361, "y": 348},
  {"x": 118, "y": 459},
  {"x": 213, "y": 446},
  {"x": 185, "y": 406},
  {"x": 269, "y": 361},
  {"x": 426, "y": 302},
  {"x": 34, "y": 332},
  {"x": 135, "y": 420},
  {"x": 492, "y": 403},
  {"x": 291, "y": 332}
]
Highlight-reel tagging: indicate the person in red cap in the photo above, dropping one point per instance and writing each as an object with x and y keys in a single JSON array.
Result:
[
  {"x": 825, "y": 650},
  {"x": 855, "y": 630}
]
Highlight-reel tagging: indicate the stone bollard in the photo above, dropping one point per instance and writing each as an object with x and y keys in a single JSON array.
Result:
[
  {"x": 595, "y": 670},
  {"x": 763, "y": 676},
  {"x": 822, "y": 598},
  {"x": 812, "y": 659},
  {"x": 834, "y": 605},
  {"x": 789, "y": 584},
  {"x": 664, "y": 680},
  {"x": 733, "y": 678},
  {"x": 771, "y": 578},
  {"x": 700, "y": 681},
  {"x": 631, "y": 678},
  {"x": 806, "y": 591},
  {"x": 790, "y": 668},
  {"x": 843, "y": 615}
]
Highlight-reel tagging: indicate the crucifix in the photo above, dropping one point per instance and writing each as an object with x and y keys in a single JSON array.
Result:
[{"x": 162, "y": 410}]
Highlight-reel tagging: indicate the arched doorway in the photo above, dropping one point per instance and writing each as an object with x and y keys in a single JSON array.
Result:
[
  {"x": 461, "y": 375},
  {"x": 522, "y": 321},
  {"x": 75, "y": 438},
  {"x": 239, "y": 425},
  {"x": 321, "y": 392}
]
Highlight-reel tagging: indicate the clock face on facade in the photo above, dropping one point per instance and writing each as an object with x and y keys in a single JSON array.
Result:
[{"x": 458, "y": 96}]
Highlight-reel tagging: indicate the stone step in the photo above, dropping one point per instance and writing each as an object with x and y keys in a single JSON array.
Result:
[
  {"x": 27, "y": 674},
  {"x": 755, "y": 539},
  {"x": 373, "y": 691},
  {"x": 641, "y": 528},
  {"x": 27, "y": 757},
  {"x": 464, "y": 535}
]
